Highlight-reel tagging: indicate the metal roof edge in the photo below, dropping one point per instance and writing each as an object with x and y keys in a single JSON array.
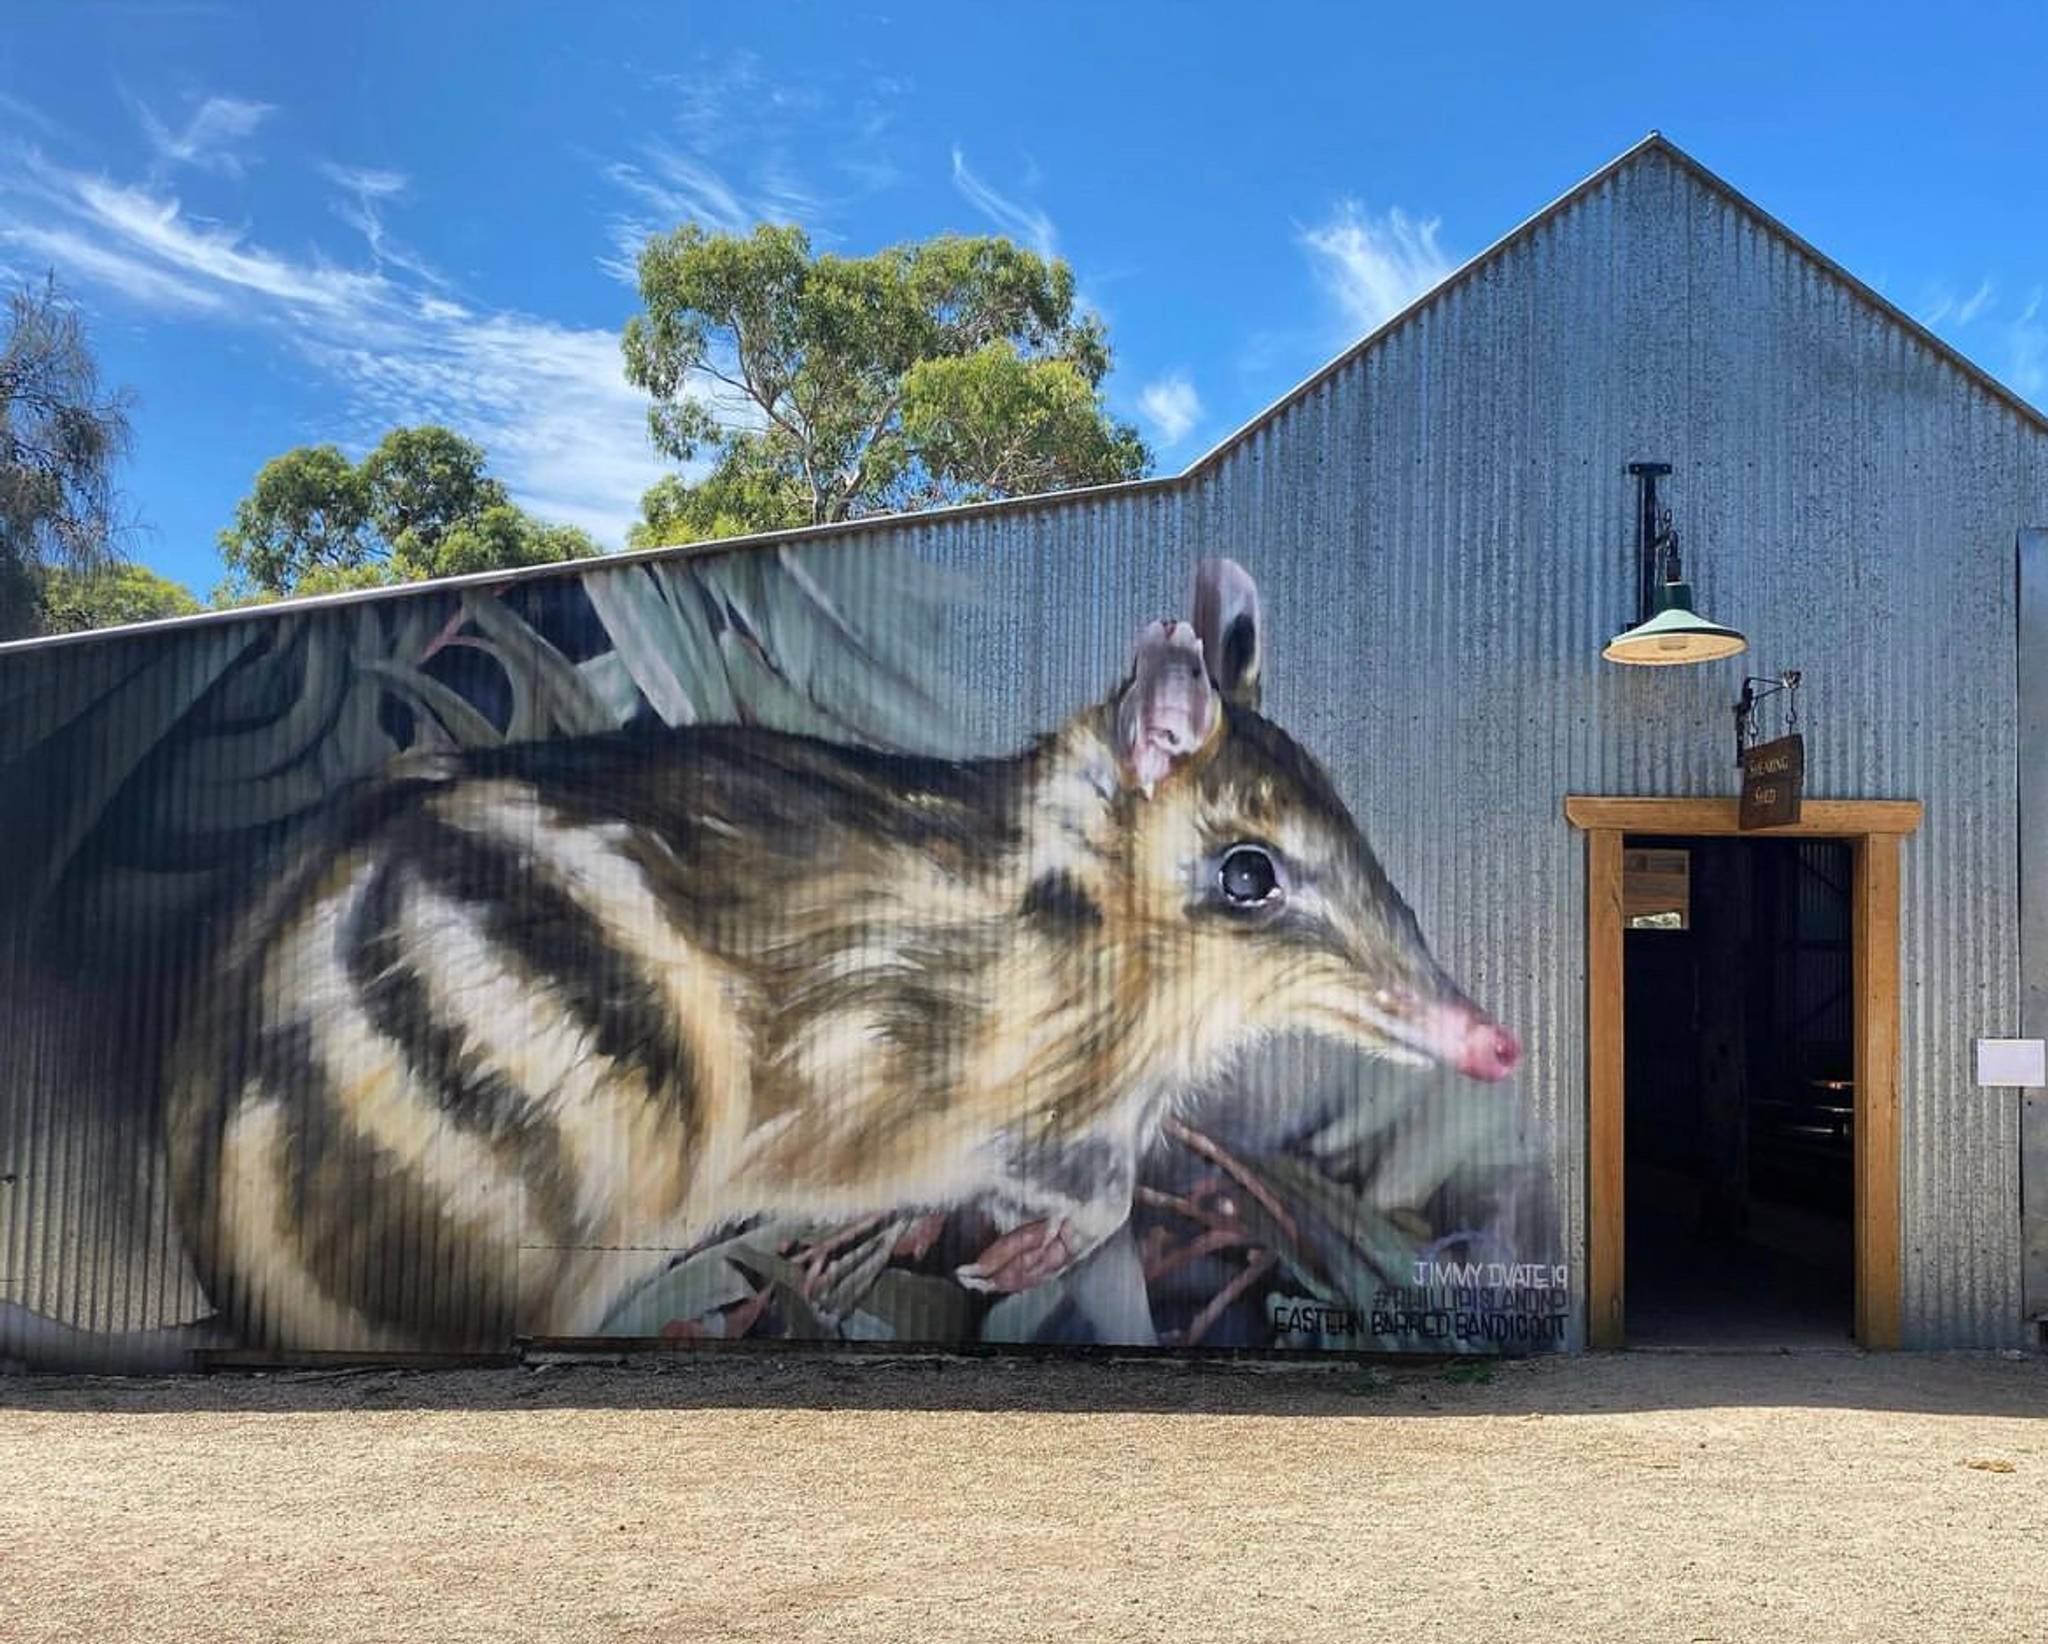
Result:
[
  {"x": 1387, "y": 327},
  {"x": 1653, "y": 143},
  {"x": 2013, "y": 400},
  {"x": 625, "y": 556}
]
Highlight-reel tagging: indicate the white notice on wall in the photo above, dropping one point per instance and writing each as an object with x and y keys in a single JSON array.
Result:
[{"x": 2020, "y": 1063}]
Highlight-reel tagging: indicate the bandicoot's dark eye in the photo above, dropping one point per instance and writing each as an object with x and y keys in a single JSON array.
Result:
[{"x": 1248, "y": 877}]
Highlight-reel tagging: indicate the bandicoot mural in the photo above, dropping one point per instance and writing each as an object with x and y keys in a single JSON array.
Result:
[{"x": 630, "y": 955}]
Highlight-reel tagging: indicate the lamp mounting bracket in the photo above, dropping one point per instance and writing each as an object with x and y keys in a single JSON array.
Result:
[{"x": 1656, "y": 542}]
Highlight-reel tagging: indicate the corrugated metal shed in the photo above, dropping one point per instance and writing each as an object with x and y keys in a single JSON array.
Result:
[
  {"x": 1453, "y": 493},
  {"x": 2032, "y": 725},
  {"x": 1442, "y": 521},
  {"x": 1448, "y": 503}
]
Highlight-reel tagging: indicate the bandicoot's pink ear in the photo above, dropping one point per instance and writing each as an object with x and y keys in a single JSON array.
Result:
[
  {"x": 1169, "y": 710},
  {"x": 1227, "y": 618}
]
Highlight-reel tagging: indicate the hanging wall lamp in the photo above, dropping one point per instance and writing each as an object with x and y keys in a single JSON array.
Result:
[{"x": 1668, "y": 630}]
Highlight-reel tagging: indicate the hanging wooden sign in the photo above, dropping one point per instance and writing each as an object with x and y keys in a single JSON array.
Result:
[{"x": 1773, "y": 773}]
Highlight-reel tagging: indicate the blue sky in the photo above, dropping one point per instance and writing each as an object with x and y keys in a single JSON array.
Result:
[{"x": 291, "y": 222}]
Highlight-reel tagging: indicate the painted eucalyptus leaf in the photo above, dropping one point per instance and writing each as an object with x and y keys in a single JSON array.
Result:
[
  {"x": 1020, "y": 1317},
  {"x": 460, "y": 724},
  {"x": 920, "y": 1306},
  {"x": 1341, "y": 1223},
  {"x": 786, "y": 1280},
  {"x": 651, "y": 640},
  {"x": 550, "y": 697},
  {"x": 686, "y": 1291}
]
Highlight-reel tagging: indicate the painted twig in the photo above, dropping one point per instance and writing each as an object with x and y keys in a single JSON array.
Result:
[
  {"x": 1257, "y": 1268},
  {"x": 1220, "y": 1238},
  {"x": 1242, "y": 1173}
]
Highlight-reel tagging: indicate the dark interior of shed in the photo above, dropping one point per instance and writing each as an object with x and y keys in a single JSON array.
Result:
[{"x": 1739, "y": 1048}]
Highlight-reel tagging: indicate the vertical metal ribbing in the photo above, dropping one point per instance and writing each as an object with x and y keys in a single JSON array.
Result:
[
  {"x": 1846, "y": 497},
  {"x": 1442, "y": 535}
]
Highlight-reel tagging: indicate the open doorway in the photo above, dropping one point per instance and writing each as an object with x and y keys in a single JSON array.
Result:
[
  {"x": 1875, "y": 831},
  {"x": 1739, "y": 1091}
]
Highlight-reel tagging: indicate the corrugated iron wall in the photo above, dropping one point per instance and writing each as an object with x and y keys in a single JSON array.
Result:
[
  {"x": 1452, "y": 523},
  {"x": 1443, "y": 531},
  {"x": 2033, "y": 775}
]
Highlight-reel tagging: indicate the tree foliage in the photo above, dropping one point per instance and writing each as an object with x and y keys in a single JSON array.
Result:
[
  {"x": 422, "y": 485},
  {"x": 420, "y": 505},
  {"x": 61, "y": 435},
  {"x": 824, "y": 388},
  {"x": 743, "y": 493},
  {"x": 307, "y": 516},
  {"x": 73, "y": 601},
  {"x": 500, "y": 538}
]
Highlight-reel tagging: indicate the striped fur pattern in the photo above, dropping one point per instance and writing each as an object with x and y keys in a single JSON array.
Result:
[{"x": 525, "y": 1022}]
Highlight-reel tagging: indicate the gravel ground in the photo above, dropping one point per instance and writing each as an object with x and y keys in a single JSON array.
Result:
[{"x": 1642, "y": 1497}]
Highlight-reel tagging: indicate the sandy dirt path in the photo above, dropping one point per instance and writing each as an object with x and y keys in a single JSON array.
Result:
[{"x": 1693, "y": 1497}]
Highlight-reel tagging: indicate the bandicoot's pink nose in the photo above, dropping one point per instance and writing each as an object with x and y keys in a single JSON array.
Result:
[
  {"x": 1491, "y": 1052},
  {"x": 1474, "y": 1044}
]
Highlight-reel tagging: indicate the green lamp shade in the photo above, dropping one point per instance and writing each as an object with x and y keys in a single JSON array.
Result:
[{"x": 1675, "y": 634}]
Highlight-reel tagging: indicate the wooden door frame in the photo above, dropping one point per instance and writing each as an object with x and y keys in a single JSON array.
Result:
[{"x": 1873, "y": 829}]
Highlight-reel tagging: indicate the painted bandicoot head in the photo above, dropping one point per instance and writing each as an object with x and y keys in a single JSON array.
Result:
[{"x": 1241, "y": 842}]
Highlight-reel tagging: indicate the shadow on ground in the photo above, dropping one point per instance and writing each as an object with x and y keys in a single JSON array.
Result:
[{"x": 1962, "y": 1384}]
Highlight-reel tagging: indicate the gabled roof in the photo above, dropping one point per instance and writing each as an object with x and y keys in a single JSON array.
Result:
[{"x": 1655, "y": 143}]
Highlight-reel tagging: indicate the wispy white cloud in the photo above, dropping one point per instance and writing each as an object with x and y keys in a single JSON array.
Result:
[
  {"x": 1944, "y": 307},
  {"x": 723, "y": 101},
  {"x": 2027, "y": 350},
  {"x": 366, "y": 182},
  {"x": 1375, "y": 266},
  {"x": 142, "y": 222},
  {"x": 681, "y": 188},
  {"x": 1172, "y": 407},
  {"x": 782, "y": 196},
  {"x": 674, "y": 187},
  {"x": 671, "y": 187},
  {"x": 365, "y": 191},
  {"x": 18, "y": 112},
  {"x": 135, "y": 278},
  {"x": 2012, "y": 344},
  {"x": 725, "y": 160},
  {"x": 865, "y": 150},
  {"x": 548, "y": 401},
  {"x": 1019, "y": 221},
  {"x": 211, "y": 137}
]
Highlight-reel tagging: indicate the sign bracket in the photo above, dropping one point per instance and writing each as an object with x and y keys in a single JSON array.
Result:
[{"x": 1774, "y": 772}]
